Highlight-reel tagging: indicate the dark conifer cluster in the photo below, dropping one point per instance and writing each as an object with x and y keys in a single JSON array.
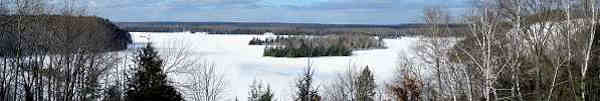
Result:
[{"x": 149, "y": 82}]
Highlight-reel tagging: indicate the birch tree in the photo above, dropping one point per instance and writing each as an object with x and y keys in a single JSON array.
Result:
[
  {"x": 434, "y": 48},
  {"x": 485, "y": 64}
]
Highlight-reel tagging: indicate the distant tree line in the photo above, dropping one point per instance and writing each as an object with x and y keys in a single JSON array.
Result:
[{"x": 384, "y": 31}]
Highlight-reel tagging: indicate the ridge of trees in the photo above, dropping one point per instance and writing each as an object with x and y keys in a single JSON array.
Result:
[{"x": 42, "y": 32}]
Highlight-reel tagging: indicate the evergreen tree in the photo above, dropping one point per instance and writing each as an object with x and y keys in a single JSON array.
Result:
[
  {"x": 365, "y": 86},
  {"x": 149, "y": 82},
  {"x": 306, "y": 92},
  {"x": 112, "y": 94},
  {"x": 267, "y": 95},
  {"x": 254, "y": 93},
  {"x": 259, "y": 93}
]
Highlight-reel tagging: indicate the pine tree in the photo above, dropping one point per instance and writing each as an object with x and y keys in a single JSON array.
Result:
[
  {"x": 267, "y": 95},
  {"x": 254, "y": 92},
  {"x": 259, "y": 93},
  {"x": 365, "y": 85},
  {"x": 113, "y": 94},
  {"x": 306, "y": 92},
  {"x": 149, "y": 82}
]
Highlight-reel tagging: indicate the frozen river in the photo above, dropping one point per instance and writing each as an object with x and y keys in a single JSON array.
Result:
[{"x": 242, "y": 63}]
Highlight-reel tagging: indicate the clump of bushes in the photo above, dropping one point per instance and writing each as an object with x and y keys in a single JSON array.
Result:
[{"x": 257, "y": 41}]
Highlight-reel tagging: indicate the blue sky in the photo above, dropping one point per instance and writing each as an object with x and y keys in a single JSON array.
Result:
[{"x": 297, "y": 11}]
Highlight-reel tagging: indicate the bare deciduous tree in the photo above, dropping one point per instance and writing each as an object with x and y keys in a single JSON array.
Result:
[
  {"x": 207, "y": 83},
  {"x": 342, "y": 88},
  {"x": 408, "y": 83}
]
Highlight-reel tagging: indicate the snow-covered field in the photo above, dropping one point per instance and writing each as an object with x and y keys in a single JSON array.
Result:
[{"x": 243, "y": 63}]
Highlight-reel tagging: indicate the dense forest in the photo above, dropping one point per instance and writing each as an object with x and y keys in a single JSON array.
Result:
[
  {"x": 314, "y": 46},
  {"x": 43, "y": 32},
  {"x": 509, "y": 50}
]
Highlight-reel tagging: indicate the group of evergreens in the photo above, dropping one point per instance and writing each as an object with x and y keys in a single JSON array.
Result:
[
  {"x": 260, "y": 92},
  {"x": 256, "y": 41},
  {"x": 314, "y": 46},
  {"x": 307, "y": 51}
]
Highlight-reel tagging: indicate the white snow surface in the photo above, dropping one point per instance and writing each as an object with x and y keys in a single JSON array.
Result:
[{"x": 242, "y": 63}]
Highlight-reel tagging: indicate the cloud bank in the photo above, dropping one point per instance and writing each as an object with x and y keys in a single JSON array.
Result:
[{"x": 300, "y": 11}]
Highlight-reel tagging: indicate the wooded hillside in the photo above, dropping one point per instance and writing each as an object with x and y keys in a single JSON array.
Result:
[{"x": 51, "y": 33}]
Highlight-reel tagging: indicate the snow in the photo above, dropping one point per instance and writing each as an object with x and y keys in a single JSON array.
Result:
[{"x": 242, "y": 63}]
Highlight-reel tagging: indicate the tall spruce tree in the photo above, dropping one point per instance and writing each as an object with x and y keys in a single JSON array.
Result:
[
  {"x": 306, "y": 92},
  {"x": 149, "y": 83},
  {"x": 365, "y": 85}
]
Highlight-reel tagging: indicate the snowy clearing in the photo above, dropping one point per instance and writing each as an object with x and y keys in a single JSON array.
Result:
[{"x": 242, "y": 63}]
